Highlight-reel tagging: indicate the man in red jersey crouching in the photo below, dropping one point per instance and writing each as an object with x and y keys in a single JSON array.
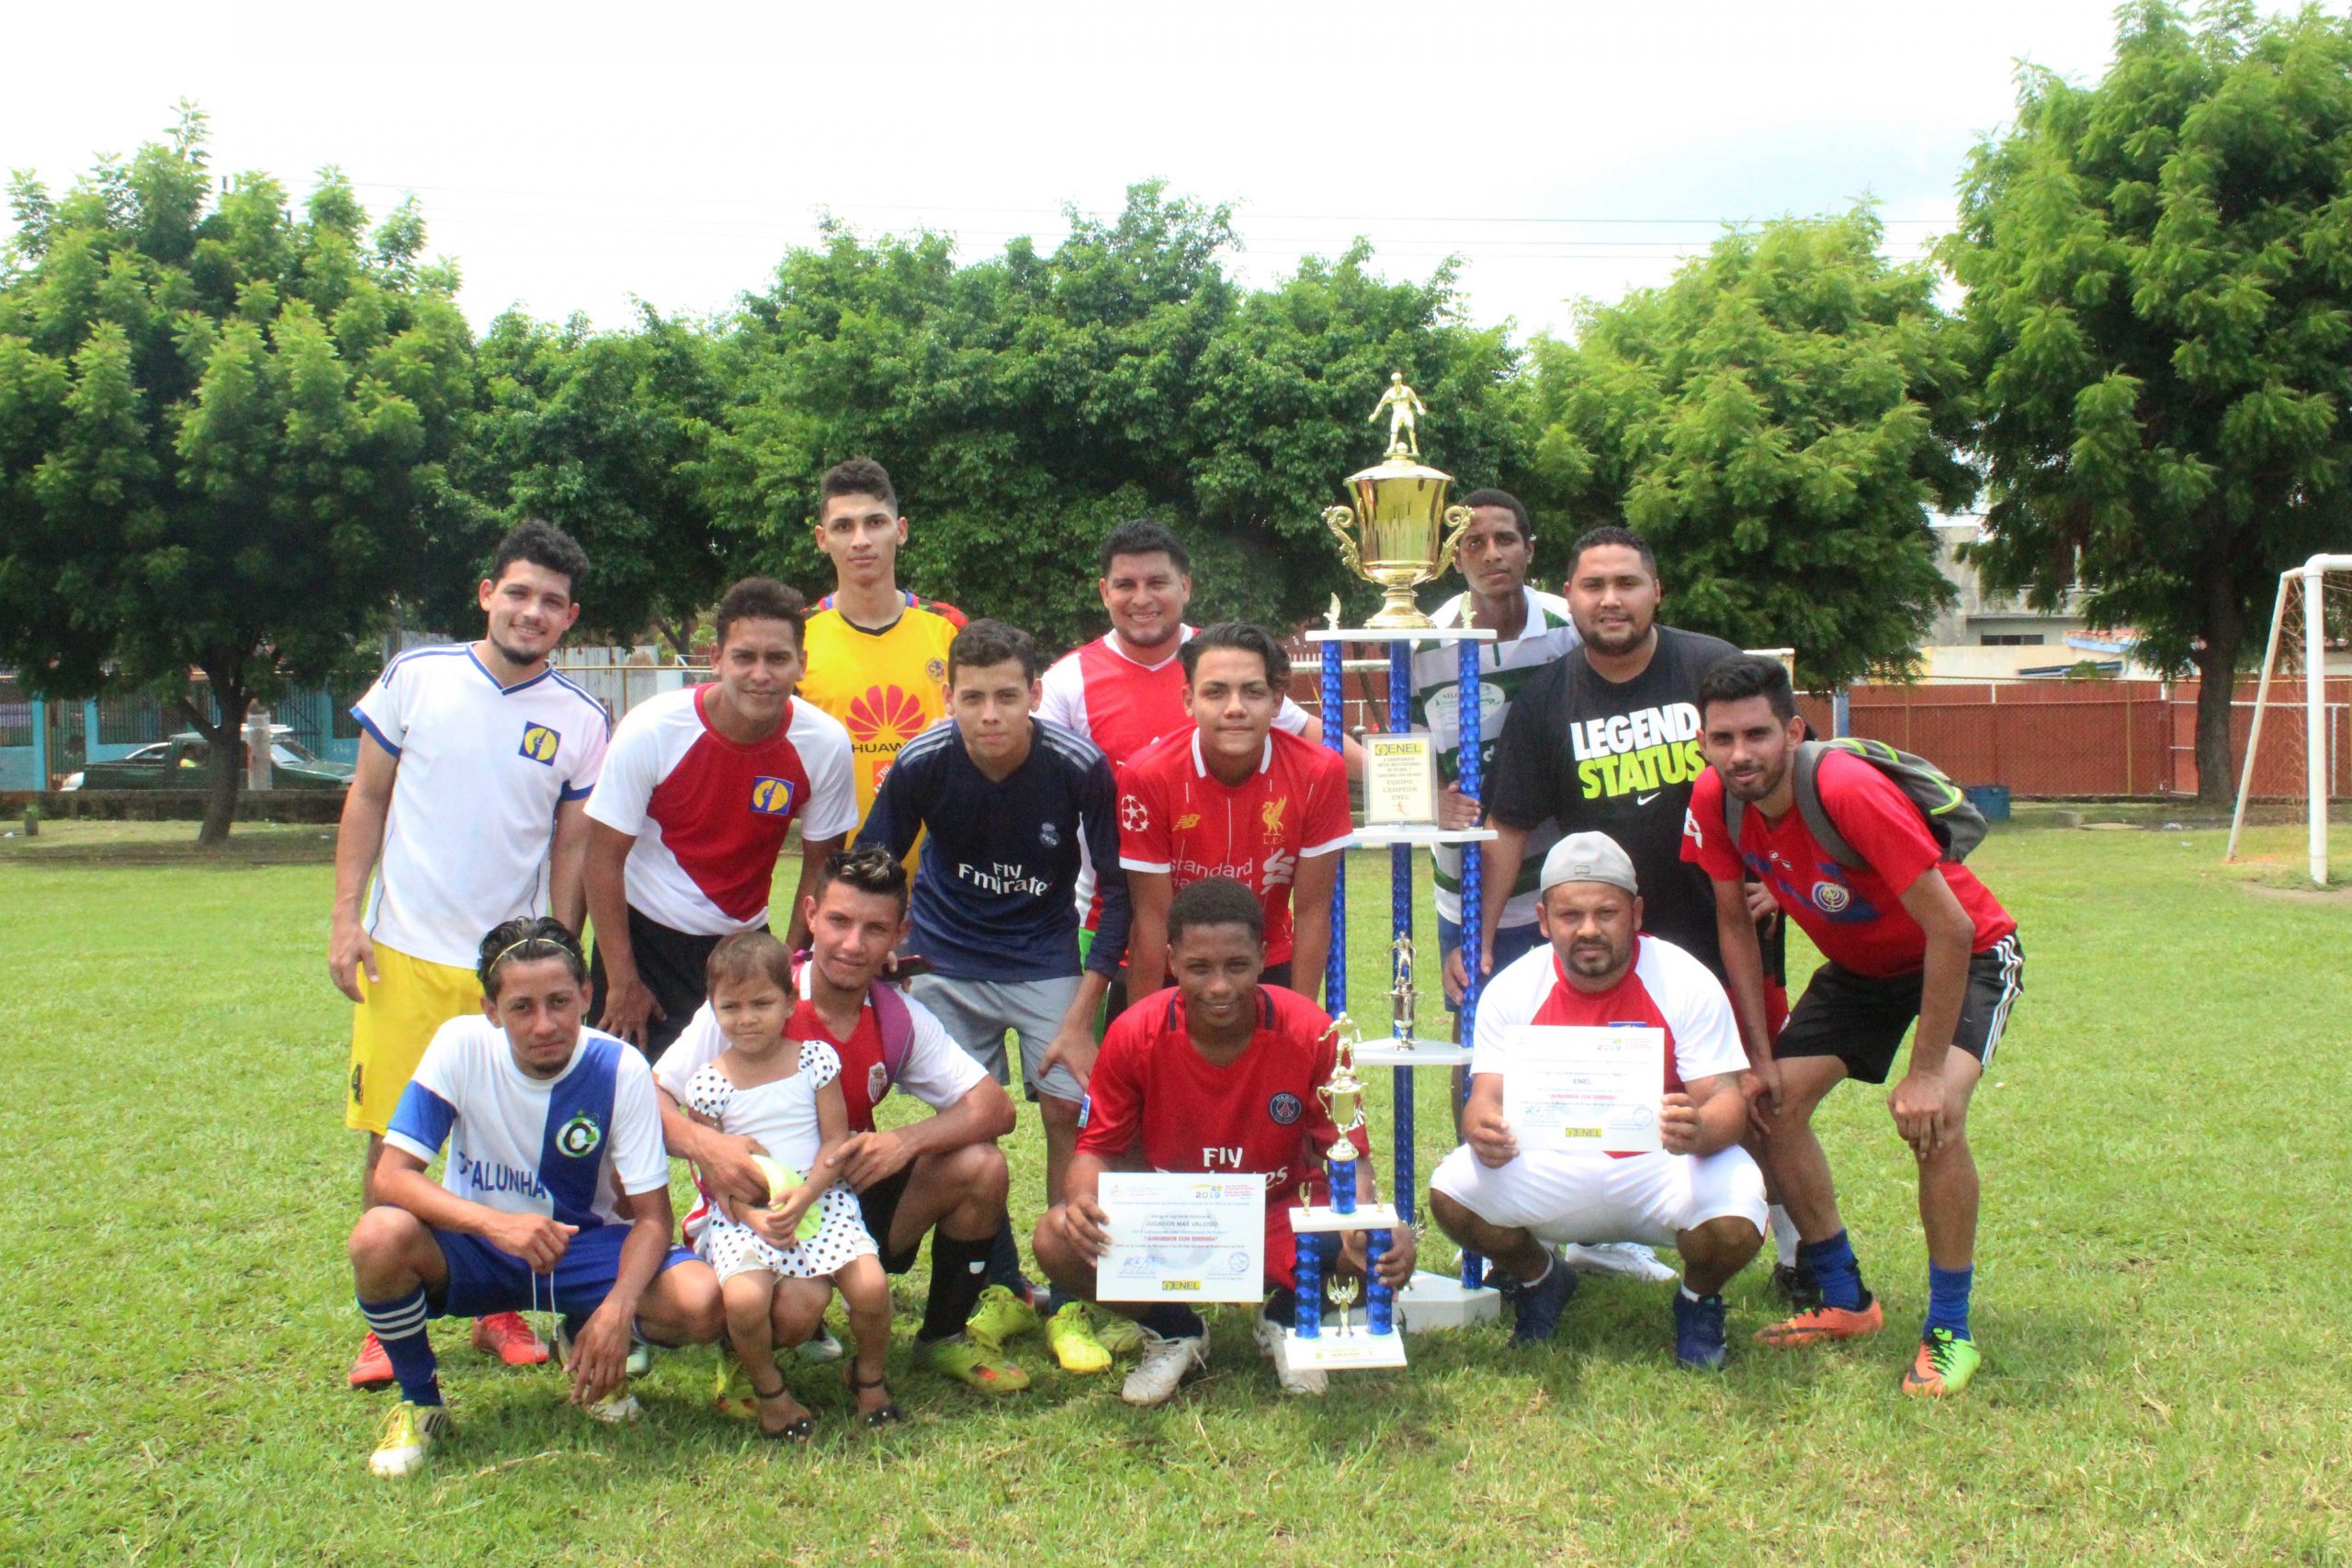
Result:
[{"x": 1216, "y": 1076}]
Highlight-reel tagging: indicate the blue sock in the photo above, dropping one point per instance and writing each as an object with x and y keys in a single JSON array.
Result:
[
  {"x": 1948, "y": 1300},
  {"x": 400, "y": 1325},
  {"x": 1170, "y": 1321},
  {"x": 1836, "y": 1273}
]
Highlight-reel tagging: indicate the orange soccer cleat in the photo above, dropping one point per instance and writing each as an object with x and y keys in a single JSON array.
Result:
[
  {"x": 1821, "y": 1324},
  {"x": 505, "y": 1335}
]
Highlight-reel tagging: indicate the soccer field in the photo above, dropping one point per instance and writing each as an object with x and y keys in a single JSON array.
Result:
[{"x": 2166, "y": 1144}]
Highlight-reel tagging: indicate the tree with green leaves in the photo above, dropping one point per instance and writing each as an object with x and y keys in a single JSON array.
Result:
[
  {"x": 606, "y": 435},
  {"x": 223, "y": 432},
  {"x": 1771, "y": 421},
  {"x": 2159, "y": 277},
  {"x": 1027, "y": 404}
]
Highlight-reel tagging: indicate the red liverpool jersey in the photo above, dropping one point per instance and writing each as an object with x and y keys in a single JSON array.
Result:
[
  {"x": 1855, "y": 915},
  {"x": 1256, "y": 1116},
  {"x": 1175, "y": 817}
]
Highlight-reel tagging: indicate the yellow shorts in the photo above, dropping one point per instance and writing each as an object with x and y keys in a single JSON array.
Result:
[{"x": 390, "y": 1029}]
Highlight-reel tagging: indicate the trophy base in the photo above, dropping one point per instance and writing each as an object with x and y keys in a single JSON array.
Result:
[
  {"x": 1316, "y": 1219},
  {"x": 1440, "y": 1300},
  {"x": 1398, "y": 613},
  {"x": 1352, "y": 1349}
]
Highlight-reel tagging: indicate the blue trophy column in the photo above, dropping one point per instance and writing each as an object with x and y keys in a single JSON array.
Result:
[
  {"x": 1400, "y": 890},
  {"x": 1470, "y": 710},
  {"x": 1335, "y": 965}
]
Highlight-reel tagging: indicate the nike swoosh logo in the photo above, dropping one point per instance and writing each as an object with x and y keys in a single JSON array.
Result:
[{"x": 1646, "y": 799}]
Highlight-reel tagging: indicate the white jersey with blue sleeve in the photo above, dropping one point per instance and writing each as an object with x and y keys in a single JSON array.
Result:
[
  {"x": 483, "y": 769},
  {"x": 561, "y": 1146}
]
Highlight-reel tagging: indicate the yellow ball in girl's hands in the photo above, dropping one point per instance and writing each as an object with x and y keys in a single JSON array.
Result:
[{"x": 782, "y": 1179}]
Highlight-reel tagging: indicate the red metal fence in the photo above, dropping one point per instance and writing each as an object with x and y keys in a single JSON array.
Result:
[{"x": 2048, "y": 738}]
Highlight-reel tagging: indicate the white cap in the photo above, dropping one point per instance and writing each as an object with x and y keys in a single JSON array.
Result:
[{"x": 1589, "y": 857}]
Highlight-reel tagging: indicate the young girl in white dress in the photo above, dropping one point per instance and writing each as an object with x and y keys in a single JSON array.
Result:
[{"x": 785, "y": 1097}]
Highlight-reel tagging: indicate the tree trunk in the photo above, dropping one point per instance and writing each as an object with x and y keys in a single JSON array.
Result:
[
  {"x": 225, "y": 765},
  {"x": 680, "y": 635},
  {"x": 2216, "y": 672}
]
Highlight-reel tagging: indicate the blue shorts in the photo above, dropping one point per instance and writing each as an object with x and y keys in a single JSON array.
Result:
[
  {"x": 484, "y": 1278},
  {"x": 1511, "y": 942}
]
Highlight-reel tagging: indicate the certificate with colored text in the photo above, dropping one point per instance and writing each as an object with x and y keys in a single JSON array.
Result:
[
  {"x": 1182, "y": 1238},
  {"x": 1595, "y": 1090}
]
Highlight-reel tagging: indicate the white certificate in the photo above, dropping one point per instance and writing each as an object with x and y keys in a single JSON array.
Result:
[
  {"x": 1592, "y": 1090},
  {"x": 1182, "y": 1238}
]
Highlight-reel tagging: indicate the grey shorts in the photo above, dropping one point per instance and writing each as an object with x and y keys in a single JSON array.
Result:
[{"x": 977, "y": 1014}]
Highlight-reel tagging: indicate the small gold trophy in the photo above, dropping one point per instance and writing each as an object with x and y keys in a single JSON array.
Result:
[
  {"x": 1342, "y": 1292},
  {"x": 1343, "y": 1097},
  {"x": 1403, "y": 1003},
  {"x": 1400, "y": 533}
]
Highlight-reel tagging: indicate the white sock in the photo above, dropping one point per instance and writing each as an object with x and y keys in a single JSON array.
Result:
[
  {"x": 1689, "y": 1294},
  {"x": 1784, "y": 1236},
  {"x": 1550, "y": 1263}
]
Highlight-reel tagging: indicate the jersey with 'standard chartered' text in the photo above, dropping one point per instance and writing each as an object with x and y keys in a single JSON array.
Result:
[
  {"x": 1619, "y": 757},
  {"x": 1257, "y": 1115},
  {"x": 709, "y": 815},
  {"x": 1855, "y": 915},
  {"x": 1125, "y": 706},
  {"x": 1504, "y": 668},
  {"x": 1176, "y": 817},
  {"x": 993, "y": 889},
  {"x": 559, "y": 1147},
  {"x": 483, "y": 769}
]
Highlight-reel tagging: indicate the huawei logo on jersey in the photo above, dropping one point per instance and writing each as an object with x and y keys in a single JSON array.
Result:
[{"x": 883, "y": 719}]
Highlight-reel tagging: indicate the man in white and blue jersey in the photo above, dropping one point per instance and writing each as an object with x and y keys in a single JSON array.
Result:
[
  {"x": 556, "y": 1194},
  {"x": 1008, "y": 799},
  {"x": 469, "y": 807}
]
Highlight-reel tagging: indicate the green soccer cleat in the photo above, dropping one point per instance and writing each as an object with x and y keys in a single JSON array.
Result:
[
  {"x": 1071, "y": 1337},
  {"x": 999, "y": 1316},
  {"x": 969, "y": 1364},
  {"x": 1123, "y": 1336},
  {"x": 1943, "y": 1365},
  {"x": 409, "y": 1433}
]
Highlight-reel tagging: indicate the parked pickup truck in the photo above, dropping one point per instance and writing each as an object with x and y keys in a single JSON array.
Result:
[{"x": 178, "y": 763}]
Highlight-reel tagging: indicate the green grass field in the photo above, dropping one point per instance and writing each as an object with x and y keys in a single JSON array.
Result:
[{"x": 2161, "y": 1296}]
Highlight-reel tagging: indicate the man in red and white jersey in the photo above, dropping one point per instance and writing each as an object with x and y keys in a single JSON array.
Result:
[
  {"x": 1908, "y": 936},
  {"x": 1126, "y": 690},
  {"x": 691, "y": 810},
  {"x": 1701, "y": 1191},
  {"x": 941, "y": 1175},
  {"x": 1234, "y": 797},
  {"x": 1216, "y": 1076}
]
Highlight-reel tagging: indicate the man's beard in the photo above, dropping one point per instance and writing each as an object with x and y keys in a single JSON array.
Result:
[
  {"x": 1169, "y": 628},
  {"x": 512, "y": 655},
  {"x": 1615, "y": 644}
]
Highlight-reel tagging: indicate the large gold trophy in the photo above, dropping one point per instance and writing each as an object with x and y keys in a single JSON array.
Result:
[{"x": 1400, "y": 533}]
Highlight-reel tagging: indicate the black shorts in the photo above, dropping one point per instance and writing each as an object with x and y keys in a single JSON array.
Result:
[
  {"x": 880, "y": 1205},
  {"x": 1860, "y": 1020},
  {"x": 675, "y": 967}
]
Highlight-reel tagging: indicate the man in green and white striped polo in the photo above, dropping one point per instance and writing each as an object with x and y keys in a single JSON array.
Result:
[{"x": 1532, "y": 630}]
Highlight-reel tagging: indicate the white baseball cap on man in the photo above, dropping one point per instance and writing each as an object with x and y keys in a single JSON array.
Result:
[{"x": 1589, "y": 857}]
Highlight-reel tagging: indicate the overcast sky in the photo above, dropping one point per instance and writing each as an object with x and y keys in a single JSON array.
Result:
[{"x": 572, "y": 157}]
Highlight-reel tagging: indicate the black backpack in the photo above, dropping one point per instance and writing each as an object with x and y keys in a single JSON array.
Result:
[{"x": 1956, "y": 823}]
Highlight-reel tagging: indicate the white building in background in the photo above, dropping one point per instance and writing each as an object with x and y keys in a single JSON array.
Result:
[{"x": 1987, "y": 635}]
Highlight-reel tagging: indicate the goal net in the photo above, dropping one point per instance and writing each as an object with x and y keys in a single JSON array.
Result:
[{"x": 2298, "y": 731}]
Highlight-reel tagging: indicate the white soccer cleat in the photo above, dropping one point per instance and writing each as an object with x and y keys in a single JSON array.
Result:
[
  {"x": 409, "y": 1433},
  {"x": 1275, "y": 1344},
  {"x": 1166, "y": 1363},
  {"x": 616, "y": 1409}
]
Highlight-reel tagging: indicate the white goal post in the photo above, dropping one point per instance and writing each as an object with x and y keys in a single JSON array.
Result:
[{"x": 2312, "y": 575}]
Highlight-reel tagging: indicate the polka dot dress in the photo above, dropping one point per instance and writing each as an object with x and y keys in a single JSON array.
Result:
[{"x": 782, "y": 1116}]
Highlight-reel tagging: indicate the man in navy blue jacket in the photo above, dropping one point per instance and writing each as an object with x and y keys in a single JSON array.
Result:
[{"x": 1001, "y": 800}]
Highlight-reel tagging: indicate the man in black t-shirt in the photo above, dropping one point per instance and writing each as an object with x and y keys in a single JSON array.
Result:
[{"x": 1607, "y": 740}]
